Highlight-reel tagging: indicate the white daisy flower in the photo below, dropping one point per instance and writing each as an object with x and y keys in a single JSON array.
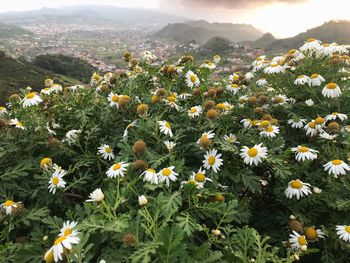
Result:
[
  {"x": 212, "y": 160},
  {"x": 313, "y": 234},
  {"x": 335, "y": 115},
  {"x": 249, "y": 75},
  {"x": 297, "y": 124},
  {"x": 206, "y": 135},
  {"x": 216, "y": 59},
  {"x": 231, "y": 138},
  {"x": 262, "y": 82},
  {"x": 233, "y": 88},
  {"x": 311, "y": 45},
  {"x": 343, "y": 231},
  {"x": 113, "y": 99},
  {"x": 31, "y": 99},
  {"x": 247, "y": 123},
  {"x": 68, "y": 229},
  {"x": 280, "y": 99},
  {"x": 302, "y": 80},
  {"x": 327, "y": 136},
  {"x": 96, "y": 196},
  {"x": 303, "y": 153},
  {"x": 117, "y": 169},
  {"x": 274, "y": 68},
  {"x": 72, "y": 136},
  {"x": 192, "y": 79},
  {"x": 311, "y": 129},
  {"x": 170, "y": 145},
  {"x": 296, "y": 54},
  {"x": 253, "y": 155},
  {"x": 56, "y": 180},
  {"x": 336, "y": 167},
  {"x": 15, "y": 122},
  {"x": 126, "y": 131},
  {"x": 297, "y": 188},
  {"x": 195, "y": 111},
  {"x": 309, "y": 102},
  {"x": 150, "y": 175},
  {"x": 270, "y": 131},
  {"x": 106, "y": 152},
  {"x": 331, "y": 90},
  {"x": 165, "y": 128},
  {"x": 8, "y": 206},
  {"x": 234, "y": 77},
  {"x": 297, "y": 242},
  {"x": 316, "y": 80},
  {"x": 61, "y": 243},
  {"x": 200, "y": 178},
  {"x": 208, "y": 65},
  {"x": 167, "y": 174}
]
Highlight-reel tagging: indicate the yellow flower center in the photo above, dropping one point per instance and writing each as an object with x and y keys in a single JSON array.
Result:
[
  {"x": 166, "y": 172},
  {"x": 337, "y": 162},
  {"x": 252, "y": 152},
  {"x": 199, "y": 177},
  {"x": 303, "y": 149},
  {"x": 67, "y": 232},
  {"x": 235, "y": 77},
  {"x": 347, "y": 229},
  {"x": 116, "y": 166},
  {"x": 302, "y": 240},
  {"x": 115, "y": 98},
  {"x": 319, "y": 120},
  {"x": 191, "y": 181},
  {"x": 167, "y": 124},
  {"x": 313, "y": 76},
  {"x": 30, "y": 95},
  {"x": 45, "y": 161},
  {"x": 108, "y": 150},
  {"x": 234, "y": 86},
  {"x": 312, "y": 125},
  {"x": 9, "y": 203},
  {"x": 59, "y": 240},
  {"x": 335, "y": 113},
  {"x": 292, "y": 51},
  {"x": 274, "y": 64},
  {"x": 193, "y": 110},
  {"x": 255, "y": 122},
  {"x": 311, "y": 233},
  {"x": 55, "y": 181},
  {"x": 171, "y": 99},
  {"x": 221, "y": 106},
  {"x": 269, "y": 129},
  {"x": 211, "y": 160},
  {"x": 301, "y": 76},
  {"x": 264, "y": 123},
  {"x": 325, "y": 45},
  {"x": 296, "y": 184},
  {"x": 193, "y": 78},
  {"x": 151, "y": 171},
  {"x": 49, "y": 257},
  {"x": 331, "y": 86},
  {"x": 310, "y": 40}
]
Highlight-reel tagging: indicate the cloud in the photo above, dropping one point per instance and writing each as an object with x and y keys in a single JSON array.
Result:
[{"x": 234, "y": 4}]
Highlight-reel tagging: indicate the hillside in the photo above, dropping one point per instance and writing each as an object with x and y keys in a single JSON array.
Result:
[
  {"x": 266, "y": 40},
  {"x": 7, "y": 31},
  {"x": 201, "y": 31},
  {"x": 332, "y": 31},
  {"x": 17, "y": 74},
  {"x": 64, "y": 65}
]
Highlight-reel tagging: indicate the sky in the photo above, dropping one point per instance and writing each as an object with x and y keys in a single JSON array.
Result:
[{"x": 282, "y": 18}]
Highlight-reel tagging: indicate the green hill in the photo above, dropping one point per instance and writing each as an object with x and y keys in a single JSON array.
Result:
[
  {"x": 201, "y": 31},
  {"x": 16, "y": 74},
  {"x": 266, "y": 40},
  {"x": 7, "y": 31},
  {"x": 332, "y": 31},
  {"x": 64, "y": 65}
]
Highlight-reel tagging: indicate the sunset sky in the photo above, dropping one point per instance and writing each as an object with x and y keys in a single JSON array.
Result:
[{"x": 283, "y": 18}]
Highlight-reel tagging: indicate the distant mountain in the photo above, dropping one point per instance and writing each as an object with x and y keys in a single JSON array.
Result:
[
  {"x": 7, "y": 31},
  {"x": 117, "y": 17},
  {"x": 201, "y": 31},
  {"x": 264, "y": 41},
  {"x": 65, "y": 65},
  {"x": 16, "y": 74},
  {"x": 332, "y": 31}
]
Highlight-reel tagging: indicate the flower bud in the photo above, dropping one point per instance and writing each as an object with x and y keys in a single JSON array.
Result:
[{"x": 142, "y": 200}]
